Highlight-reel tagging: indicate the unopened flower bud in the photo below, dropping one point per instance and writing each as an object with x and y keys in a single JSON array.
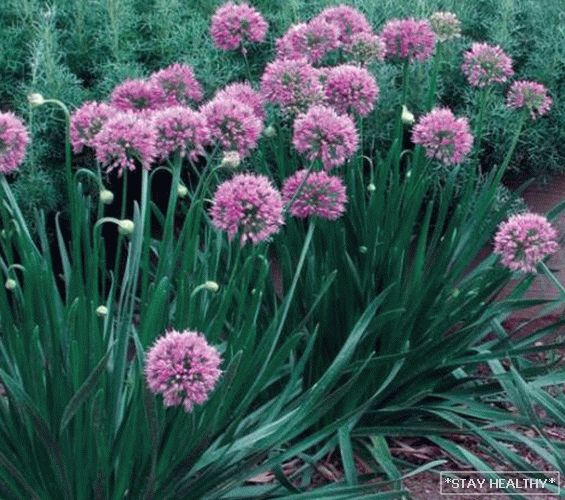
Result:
[
  {"x": 35, "y": 99},
  {"x": 270, "y": 131},
  {"x": 212, "y": 286},
  {"x": 231, "y": 159},
  {"x": 363, "y": 249},
  {"x": 101, "y": 311},
  {"x": 126, "y": 227},
  {"x": 406, "y": 116},
  {"x": 371, "y": 188},
  {"x": 10, "y": 284},
  {"x": 182, "y": 191},
  {"x": 106, "y": 197}
]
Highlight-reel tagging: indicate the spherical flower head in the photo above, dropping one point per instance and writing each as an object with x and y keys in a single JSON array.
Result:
[
  {"x": 444, "y": 137},
  {"x": 138, "y": 96},
  {"x": 183, "y": 368},
  {"x": 233, "y": 124},
  {"x": 245, "y": 93},
  {"x": 179, "y": 84},
  {"x": 311, "y": 40},
  {"x": 524, "y": 240},
  {"x": 124, "y": 139},
  {"x": 410, "y": 39},
  {"x": 351, "y": 89},
  {"x": 86, "y": 122},
  {"x": 236, "y": 25},
  {"x": 532, "y": 96},
  {"x": 348, "y": 20},
  {"x": 13, "y": 142},
  {"x": 180, "y": 130},
  {"x": 486, "y": 64},
  {"x": 366, "y": 48},
  {"x": 319, "y": 194},
  {"x": 249, "y": 206},
  {"x": 292, "y": 84},
  {"x": 322, "y": 134},
  {"x": 446, "y": 26}
]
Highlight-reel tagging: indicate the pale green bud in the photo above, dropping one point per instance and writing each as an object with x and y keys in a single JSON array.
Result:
[
  {"x": 212, "y": 286},
  {"x": 231, "y": 159},
  {"x": 407, "y": 117},
  {"x": 126, "y": 227},
  {"x": 35, "y": 99},
  {"x": 10, "y": 284},
  {"x": 182, "y": 191},
  {"x": 101, "y": 311},
  {"x": 106, "y": 197},
  {"x": 270, "y": 131}
]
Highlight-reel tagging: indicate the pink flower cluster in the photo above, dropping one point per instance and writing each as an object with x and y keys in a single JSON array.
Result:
[
  {"x": 138, "y": 96},
  {"x": 86, "y": 123},
  {"x": 348, "y": 20},
  {"x": 444, "y": 137},
  {"x": 410, "y": 39},
  {"x": 351, "y": 89},
  {"x": 180, "y": 130},
  {"x": 446, "y": 26},
  {"x": 183, "y": 367},
  {"x": 530, "y": 95},
  {"x": 314, "y": 194},
  {"x": 292, "y": 84},
  {"x": 246, "y": 94},
  {"x": 233, "y": 124},
  {"x": 179, "y": 85},
  {"x": 145, "y": 120},
  {"x": 485, "y": 64},
  {"x": 312, "y": 41},
  {"x": 366, "y": 48},
  {"x": 236, "y": 25},
  {"x": 322, "y": 134},
  {"x": 249, "y": 206},
  {"x": 124, "y": 139},
  {"x": 525, "y": 240},
  {"x": 13, "y": 142}
]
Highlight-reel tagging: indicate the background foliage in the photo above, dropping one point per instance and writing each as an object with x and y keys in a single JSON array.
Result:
[{"x": 77, "y": 50}]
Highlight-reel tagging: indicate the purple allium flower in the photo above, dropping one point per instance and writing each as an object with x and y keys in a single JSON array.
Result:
[
  {"x": 233, "y": 124},
  {"x": 86, "y": 122},
  {"x": 179, "y": 84},
  {"x": 350, "y": 88},
  {"x": 13, "y": 142},
  {"x": 292, "y": 84},
  {"x": 180, "y": 130},
  {"x": 530, "y": 95},
  {"x": 366, "y": 48},
  {"x": 322, "y": 134},
  {"x": 183, "y": 367},
  {"x": 245, "y": 93},
  {"x": 236, "y": 25},
  {"x": 410, "y": 39},
  {"x": 524, "y": 240},
  {"x": 321, "y": 195},
  {"x": 348, "y": 20},
  {"x": 444, "y": 137},
  {"x": 248, "y": 205},
  {"x": 138, "y": 96},
  {"x": 486, "y": 64},
  {"x": 311, "y": 40},
  {"x": 446, "y": 26},
  {"x": 125, "y": 138}
]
